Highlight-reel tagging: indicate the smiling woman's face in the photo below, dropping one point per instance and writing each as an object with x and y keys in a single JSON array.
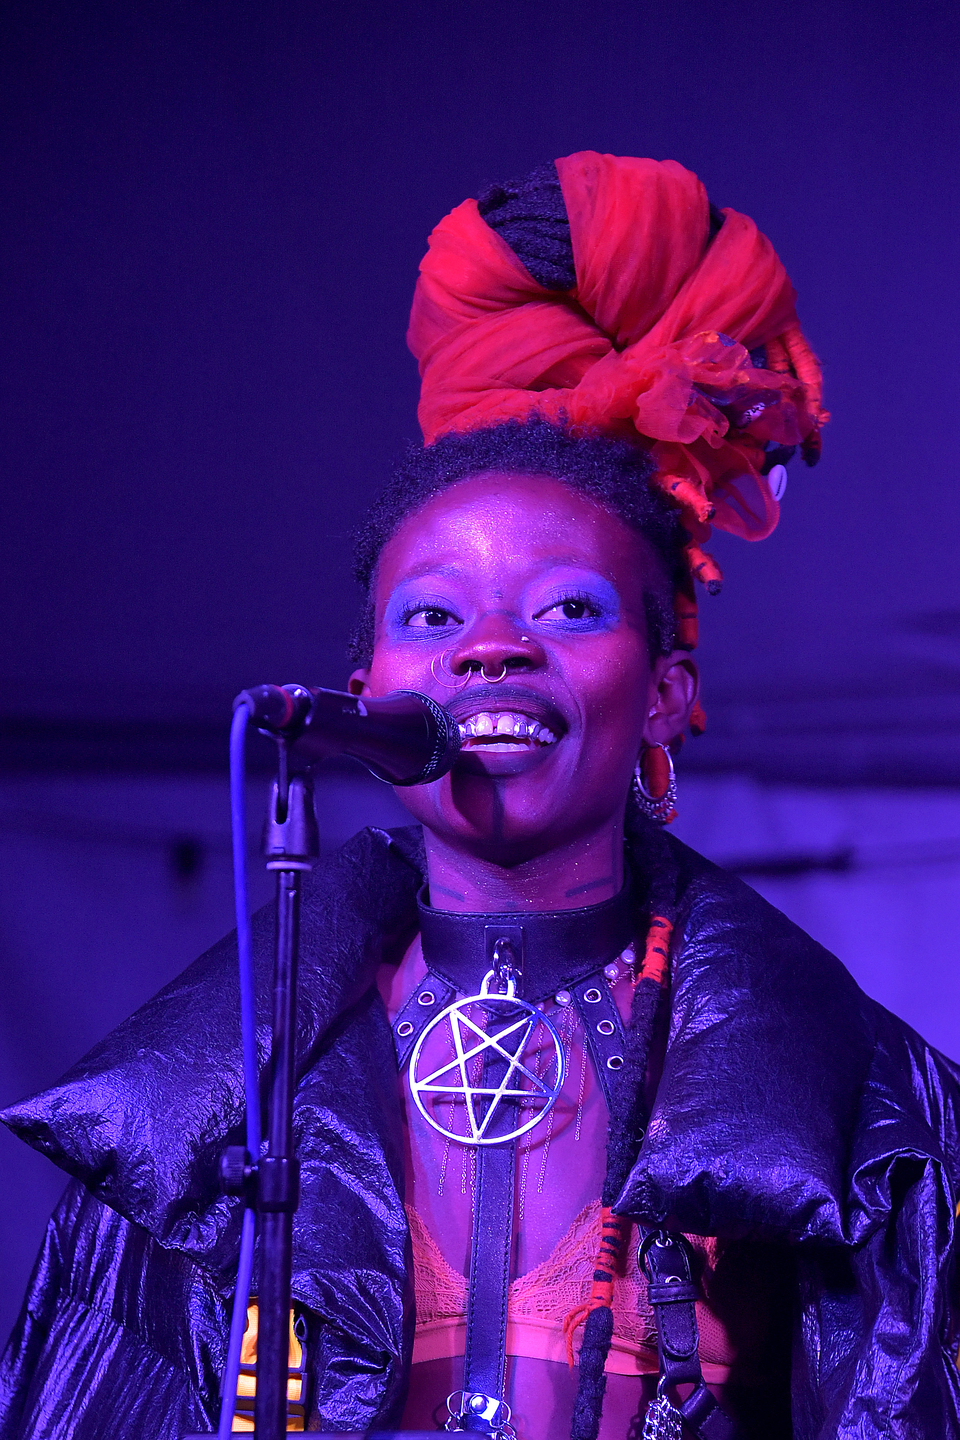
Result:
[{"x": 520, "y": 574}]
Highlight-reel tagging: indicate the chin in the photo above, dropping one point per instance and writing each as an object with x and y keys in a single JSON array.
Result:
[{"x": 504, "y": 823}]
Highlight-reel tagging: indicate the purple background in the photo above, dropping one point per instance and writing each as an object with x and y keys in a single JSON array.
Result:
[{"x": 212, "y": 216}]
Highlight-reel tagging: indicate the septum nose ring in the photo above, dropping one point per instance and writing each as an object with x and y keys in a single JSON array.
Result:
[{"x": 457, "y": 682}]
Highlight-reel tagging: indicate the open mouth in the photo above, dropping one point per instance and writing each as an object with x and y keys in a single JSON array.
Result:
[{"x": 504, "y": 732}]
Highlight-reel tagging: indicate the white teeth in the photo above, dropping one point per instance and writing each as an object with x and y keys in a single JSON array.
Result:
[{"x": 506, "y": 723}]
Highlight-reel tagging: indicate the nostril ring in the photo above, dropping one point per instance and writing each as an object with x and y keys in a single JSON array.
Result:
[
  {"x": 494, "y": 679},
  {"x": 458, "y": 680}
]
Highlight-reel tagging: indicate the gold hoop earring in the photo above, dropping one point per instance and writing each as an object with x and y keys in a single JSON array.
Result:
[{"x": 655, "y": 784}]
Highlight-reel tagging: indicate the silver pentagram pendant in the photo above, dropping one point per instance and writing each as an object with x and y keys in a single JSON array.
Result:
[{"x": 452, "y": 1091}]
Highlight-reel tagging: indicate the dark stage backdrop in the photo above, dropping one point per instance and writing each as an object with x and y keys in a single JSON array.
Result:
[{"x": 212, "y": 215}]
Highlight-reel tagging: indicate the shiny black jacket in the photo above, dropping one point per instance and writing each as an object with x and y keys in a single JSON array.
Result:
[{"x": 792, "y": 1111}]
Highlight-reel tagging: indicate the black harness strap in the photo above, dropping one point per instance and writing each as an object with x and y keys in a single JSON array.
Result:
[
  {"x": 664, "y": 1256},
  {"x": 430, "y": 997},
  {"x": 481, "y": 1406},
  {"x": 673, "y": 1294},
  {"x": 603, "y": 1030},
  {"x": 492, "y": 1243},
  {"x": 560, "y": 955},
  {"x": 484, "y": 1360}
]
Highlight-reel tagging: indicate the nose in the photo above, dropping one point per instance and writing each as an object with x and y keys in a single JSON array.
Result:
[{"x": 495, "y": 647}]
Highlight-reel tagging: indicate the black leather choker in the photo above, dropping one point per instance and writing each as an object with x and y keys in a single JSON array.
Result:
[{"x": 555, "y": 948}]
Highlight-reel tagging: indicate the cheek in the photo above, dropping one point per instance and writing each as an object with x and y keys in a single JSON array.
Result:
[
  {"x": 396, "y": 666},
  {"x": 615, "y": 686}
]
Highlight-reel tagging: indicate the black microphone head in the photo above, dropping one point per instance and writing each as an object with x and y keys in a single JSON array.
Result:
[
  {"x": 405, "y": 737},
  {"x": 445, "y": 733}
]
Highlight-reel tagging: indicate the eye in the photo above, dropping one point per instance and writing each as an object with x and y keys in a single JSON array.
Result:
[
  {"x": 428, "y": 617},
  {"x": 575, "y": 608}
]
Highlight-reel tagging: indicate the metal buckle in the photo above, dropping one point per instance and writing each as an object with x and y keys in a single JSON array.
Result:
[
  {"x": 506, "y": 965},
  {"x": 493, "y": 1412}
]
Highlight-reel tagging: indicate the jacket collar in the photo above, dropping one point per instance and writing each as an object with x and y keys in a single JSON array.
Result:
[
  {"x": 142, "y": 1119},
  {"x": 759, "y": 1109},
  {"x": 774, "y": 1115}
]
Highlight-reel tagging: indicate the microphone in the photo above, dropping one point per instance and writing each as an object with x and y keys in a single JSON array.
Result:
[{"x": 404, "y": 738}]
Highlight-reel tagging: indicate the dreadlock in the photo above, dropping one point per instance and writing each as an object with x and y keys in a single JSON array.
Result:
[{"x": 628, "y": 1123}]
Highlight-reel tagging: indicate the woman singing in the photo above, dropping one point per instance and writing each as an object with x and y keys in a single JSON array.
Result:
[{"x": 592, "y": 1138}]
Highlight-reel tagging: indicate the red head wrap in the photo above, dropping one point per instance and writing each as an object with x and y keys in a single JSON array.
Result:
[{"x": 651, "y": 342}]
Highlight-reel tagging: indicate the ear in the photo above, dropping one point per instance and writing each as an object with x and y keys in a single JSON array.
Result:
[
  {"x": 674, "y": 687},
  {"x": 359, "y": 683}
]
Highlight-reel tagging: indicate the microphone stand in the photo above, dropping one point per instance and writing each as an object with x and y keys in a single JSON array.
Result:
[
  {"x": 291, "y": 843},
  {"x": 413, "y": 742}
]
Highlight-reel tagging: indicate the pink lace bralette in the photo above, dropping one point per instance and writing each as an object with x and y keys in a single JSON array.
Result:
[{"x": 539, "y": 1301}]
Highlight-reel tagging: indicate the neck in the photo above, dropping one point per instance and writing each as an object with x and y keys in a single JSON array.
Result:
[{"x": 585, "y": 872}]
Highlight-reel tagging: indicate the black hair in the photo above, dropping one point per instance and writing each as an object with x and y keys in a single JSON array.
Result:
[{"x": 614, "y": 473}]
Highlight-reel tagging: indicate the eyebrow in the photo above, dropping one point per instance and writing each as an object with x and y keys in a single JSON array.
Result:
[
  {"x": 558, "y": 560},
  {"x": 453, "y": 571},
  {"x": 448, "y": 572}
]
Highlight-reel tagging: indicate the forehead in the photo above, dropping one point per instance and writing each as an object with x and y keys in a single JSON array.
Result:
[{"x": 498, "y": 525}]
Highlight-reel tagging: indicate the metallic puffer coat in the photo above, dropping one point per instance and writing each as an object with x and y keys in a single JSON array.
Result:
[{"x": 792, "y": 1112}]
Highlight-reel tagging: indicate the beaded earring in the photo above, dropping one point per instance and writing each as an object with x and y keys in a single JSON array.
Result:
[{"x": 655, "y": 784}]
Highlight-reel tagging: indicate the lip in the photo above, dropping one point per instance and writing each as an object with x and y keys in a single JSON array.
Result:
[{"x": 496, "y": 700}]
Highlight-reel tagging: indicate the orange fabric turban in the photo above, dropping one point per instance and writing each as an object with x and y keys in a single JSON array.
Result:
[{"x": 651, "y": 342}]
